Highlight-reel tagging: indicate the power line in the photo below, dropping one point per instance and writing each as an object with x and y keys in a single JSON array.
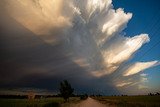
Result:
[
  {"x": 149, "y": 49},
  {"x": 154, "y": 45},
  {"x": 153, "y": 29},
  {"x": 152, "y": 26}
]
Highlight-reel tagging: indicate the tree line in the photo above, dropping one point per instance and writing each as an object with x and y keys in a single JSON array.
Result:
[{"x": 65, "y": 91}]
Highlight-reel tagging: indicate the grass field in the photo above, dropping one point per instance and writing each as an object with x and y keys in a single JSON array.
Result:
[
  {"x": 46, "y": 102},
  {"x": 119, "y": 101},
  {"x": 131, "y": 101}
]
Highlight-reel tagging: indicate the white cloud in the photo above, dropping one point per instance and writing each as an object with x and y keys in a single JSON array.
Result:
[
  {"x": 116, "y": 22},
  {"x": 92, "y": 5},
  {"x": 144, "y": 79},
  {"x": 123, "y": 52},
  {"x": 120, "y": 53},
  {"x": 143, "y": 75},
  {"x": 142, "y": 87},
  {"x": 122, "y": 84},
  {"x": 138, "y": 67}
]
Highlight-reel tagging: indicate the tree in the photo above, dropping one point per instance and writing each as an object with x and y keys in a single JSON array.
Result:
[{"x": 66, "y": 90}]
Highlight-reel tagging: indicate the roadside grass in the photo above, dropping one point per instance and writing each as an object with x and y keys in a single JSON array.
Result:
[
  {"x": 131, "y": 101},
  {"x": 72, "y": 101},
  {"x": 45, "y": 102}
]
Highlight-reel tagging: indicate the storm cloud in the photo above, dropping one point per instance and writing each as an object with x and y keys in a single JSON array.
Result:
[{"x": 44, "y": 42}]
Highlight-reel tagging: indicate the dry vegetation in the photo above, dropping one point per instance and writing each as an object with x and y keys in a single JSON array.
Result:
[
  {"x": 131, "y": 101},
  {"x": 45, "y": 102}
]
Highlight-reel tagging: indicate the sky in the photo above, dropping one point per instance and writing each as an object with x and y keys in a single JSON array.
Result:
[{"x": 99, "y": 46}]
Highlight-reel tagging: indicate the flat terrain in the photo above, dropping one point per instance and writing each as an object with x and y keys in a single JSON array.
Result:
[
  {"x": 110, "y": 101},
  {"x": 49, "y": 102},
  {"x": 44, "y": 102},
  {"x": 131, "y": 101}
]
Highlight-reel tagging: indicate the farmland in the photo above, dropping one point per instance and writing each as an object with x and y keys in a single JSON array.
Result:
[
  {"x": 44, "y": 102},
  {"x": 130, "y": 101},
  {"x": 109, "y": 101}
]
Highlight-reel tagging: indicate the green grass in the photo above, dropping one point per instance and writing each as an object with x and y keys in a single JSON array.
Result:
[
  {"x": 72, "y": 101},
  {"x": 131, "y": 101}
]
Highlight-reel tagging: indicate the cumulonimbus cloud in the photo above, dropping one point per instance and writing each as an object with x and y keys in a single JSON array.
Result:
[{"x": 90, "y": 29}]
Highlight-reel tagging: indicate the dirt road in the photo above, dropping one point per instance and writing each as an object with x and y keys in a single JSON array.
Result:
[{"x": 89, "y": 102}]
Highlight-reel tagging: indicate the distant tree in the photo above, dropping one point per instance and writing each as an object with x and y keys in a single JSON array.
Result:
[
  {"x": 157, "y": 93},
  {"x": 66, "y": 90},
  {"x": 150, "y": 94}
]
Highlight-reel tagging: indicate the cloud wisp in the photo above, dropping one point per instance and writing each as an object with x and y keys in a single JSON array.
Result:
[{"x": 138, "y": 67}]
